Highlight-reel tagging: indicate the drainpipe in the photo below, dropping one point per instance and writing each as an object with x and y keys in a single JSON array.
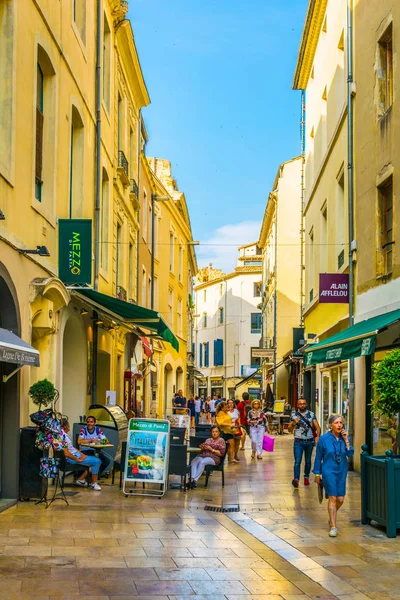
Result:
[
  {"x": 352, "y": 243},
  {"x": 98, "y": 198}
]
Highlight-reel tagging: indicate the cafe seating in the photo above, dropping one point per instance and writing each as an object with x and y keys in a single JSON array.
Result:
[
  {"x": 67, "y": 468},
  {"x": 178, "y": 463},
  {"x": 177, "y": 435},
  {"x": 212, "y": 468},
  {"x": 119, "y": 464}
]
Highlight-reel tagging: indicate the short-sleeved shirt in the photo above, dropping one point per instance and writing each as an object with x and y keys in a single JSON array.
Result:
[
  {"x": 86, "y": 435},
  {"x": 67, "y": 440},
  {"x": 212, "y": 405},
  {"x": 302, "y": 431}
]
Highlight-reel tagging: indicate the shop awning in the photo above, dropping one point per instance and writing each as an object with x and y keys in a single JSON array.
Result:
[
  {"x": 131, "y": 313},
  {"x": 16, "y": 351},
  {"x": 358, "y": 340}
]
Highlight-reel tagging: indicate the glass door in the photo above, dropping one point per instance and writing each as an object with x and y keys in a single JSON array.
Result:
[{"x": 325, "y": 401}]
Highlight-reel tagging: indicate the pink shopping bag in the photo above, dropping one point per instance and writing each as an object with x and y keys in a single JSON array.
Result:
[{"x": 268, "y": 443}]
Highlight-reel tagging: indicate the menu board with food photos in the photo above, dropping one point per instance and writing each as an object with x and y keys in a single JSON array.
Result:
[{"x": 146, "y": 459}]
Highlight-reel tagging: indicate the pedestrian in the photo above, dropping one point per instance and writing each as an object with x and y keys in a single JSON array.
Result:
[
  {"x": 180, "y": 402},
  {"x": 306, "y": 431},
  {"x": 197, "y": 410},
  {"x": 235, "y": 416},
  {"x": 333, "y": 450},
  {"x": 241, "y": 406},
  {"x": 258, "y": 426},
  {"x": 212, "y": 410},
  {"x": 207, "y": 409},
  {"x": 94, "y": 434},
  {"x": 191, "y": 406},
  {"x": 224, "y": 422},
  {"x": 212, "y": 452}
]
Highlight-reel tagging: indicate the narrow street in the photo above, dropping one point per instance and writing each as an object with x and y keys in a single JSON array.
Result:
[{"x": 105, "y": 546}]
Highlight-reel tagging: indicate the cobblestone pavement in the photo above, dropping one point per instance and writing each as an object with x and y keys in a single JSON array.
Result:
[{"x": 108, "y": 547}]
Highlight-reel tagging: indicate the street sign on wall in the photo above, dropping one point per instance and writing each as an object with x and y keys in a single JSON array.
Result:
[
  {"x": 263, "y": 353},
  {"x": 75, "y": 251},
  {"x": 333, "y": 288}
]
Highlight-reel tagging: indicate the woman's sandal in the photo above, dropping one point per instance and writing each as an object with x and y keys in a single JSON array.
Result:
[{"x": 333, "y": 532}]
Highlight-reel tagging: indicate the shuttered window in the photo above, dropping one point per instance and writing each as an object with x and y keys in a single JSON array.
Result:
[
  {"x": 218, "y": 353},
  {"x": 39, "y": 134},
  {"x": 207, "y": 354},
  {"x": 201, "y": 355}
]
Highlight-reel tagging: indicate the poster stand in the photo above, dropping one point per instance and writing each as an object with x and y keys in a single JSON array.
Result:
[
  {"x": 180, "y": 419},
  {"x": 147, "y": 458}
]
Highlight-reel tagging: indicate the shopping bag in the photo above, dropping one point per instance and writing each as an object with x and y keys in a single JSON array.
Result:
[
  {"x": 49, "y": 467},
  {"x": 320, "y": 490},
  {"x": 268, "y": 443}
]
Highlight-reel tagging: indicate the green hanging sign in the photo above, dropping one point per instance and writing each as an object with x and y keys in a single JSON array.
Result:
[
  {"x": 343, "y": 351},
  {"x": 75, "y": 251}
]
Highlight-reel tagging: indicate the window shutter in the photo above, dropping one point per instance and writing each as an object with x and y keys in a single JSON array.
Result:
[
  {"x": 201, "y": 355},
  {"x": 39, "y": 145},
  {"x": 207, "y": 354},
  {"x": 218, "y": 353}
]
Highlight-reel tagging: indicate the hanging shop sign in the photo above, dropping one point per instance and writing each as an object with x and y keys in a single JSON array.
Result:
[
  {"x": 333, "y": 288},
  {"x": 263, "y": 353},
  {"x": 75, "y": 251},
  {"x": 216, "y": 382},
  {"x": 147, "y": 455},
  {"x": 343, "y": 351}
]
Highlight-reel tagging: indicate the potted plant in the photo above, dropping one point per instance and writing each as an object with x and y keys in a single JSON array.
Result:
[
  {"x": 43, "y": 393},
  {"x": 380, "y": 475}
]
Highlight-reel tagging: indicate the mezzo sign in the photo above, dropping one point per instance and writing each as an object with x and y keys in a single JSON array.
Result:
[{"x": 75, "y": 251}]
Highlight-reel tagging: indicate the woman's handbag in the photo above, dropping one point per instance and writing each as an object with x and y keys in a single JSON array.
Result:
[
  {"x": 49, "y": 467},
  {"x": 320, "y": 490},
  {"x": 41, "y": 416},
  {"x": 268, "y": 443}
]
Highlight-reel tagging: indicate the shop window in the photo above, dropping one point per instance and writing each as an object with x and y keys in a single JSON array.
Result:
[
  {"x": 384, "y": 72},
  {"x": 255, "y": 322},
  {"x": 385, "y": 229}
]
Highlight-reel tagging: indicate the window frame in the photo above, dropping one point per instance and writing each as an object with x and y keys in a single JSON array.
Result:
[
  {"x": 255, "y": 330},
  {"x": 385, "y": 64}
]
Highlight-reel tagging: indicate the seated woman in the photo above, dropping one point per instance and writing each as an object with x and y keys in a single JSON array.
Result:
[
  {"x": 225, "y": 423},
  {"x": 212, "y": 452}
]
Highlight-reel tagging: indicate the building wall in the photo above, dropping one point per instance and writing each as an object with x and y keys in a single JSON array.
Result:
[{"x": 234, "y": 294}]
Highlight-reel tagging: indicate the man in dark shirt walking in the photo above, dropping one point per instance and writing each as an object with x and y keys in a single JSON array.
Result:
[{"x": 306, "y": 431}]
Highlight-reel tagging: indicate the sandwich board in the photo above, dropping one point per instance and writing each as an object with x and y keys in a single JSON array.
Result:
[{"x": 147, "y": 456}]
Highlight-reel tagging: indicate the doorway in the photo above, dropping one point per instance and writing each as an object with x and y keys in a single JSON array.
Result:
[
  {"x": 74, "y": 370},
  {"x": 9, "y": 395}
]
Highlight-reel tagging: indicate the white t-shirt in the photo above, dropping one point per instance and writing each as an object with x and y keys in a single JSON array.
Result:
[
  {"x": 212, "y": 405},
  {"x": 71, "y": 448},
  {"x": 234, "y": 414},
  {"x": 197, "y": 406}
]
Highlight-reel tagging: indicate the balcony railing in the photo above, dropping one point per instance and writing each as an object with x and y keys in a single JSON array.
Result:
[
  {"x": 121, "y": 293},
  {"x": 134, "y": 188},
  {"x": 122, "y": 162}
]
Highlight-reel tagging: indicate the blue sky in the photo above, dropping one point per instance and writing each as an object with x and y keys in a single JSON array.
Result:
[{"x": 222, "y": 110}]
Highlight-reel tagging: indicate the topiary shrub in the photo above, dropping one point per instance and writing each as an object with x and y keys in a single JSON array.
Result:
[
  {"x": 43, "y": 393},
  {"x": 386, "y": 385}
]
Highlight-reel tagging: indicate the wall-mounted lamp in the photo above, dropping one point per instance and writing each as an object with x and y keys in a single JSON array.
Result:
[
  {"x": 84, "y": 311},
  {"x": 98, "y": 322},
  {"x": 2, "y": 216},
  {"x": 40, "y": 250}
]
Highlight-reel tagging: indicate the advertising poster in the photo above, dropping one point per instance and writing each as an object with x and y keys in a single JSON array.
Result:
[{"x": 147, "y": 451}]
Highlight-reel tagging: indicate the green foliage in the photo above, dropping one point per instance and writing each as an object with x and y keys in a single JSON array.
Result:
[
  {"x": 43, "y": 393},
  {"x": 386, "y": 385}
]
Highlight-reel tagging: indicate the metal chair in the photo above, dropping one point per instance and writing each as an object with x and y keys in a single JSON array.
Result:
[
  {"x": 120, "y": 465},
  {"x": 178, "y": 463},
  {"x": 67, "y": 468},
  {"x": 210, "y": 469},
  {"x": 177, "y": 435}
]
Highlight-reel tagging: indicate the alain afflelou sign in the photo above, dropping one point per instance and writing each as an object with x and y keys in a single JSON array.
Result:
[
  {"x": 333, "y": 288},
  {"x": 75, "y": 251}
]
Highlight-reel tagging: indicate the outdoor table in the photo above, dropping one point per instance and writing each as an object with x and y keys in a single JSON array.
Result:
[{"x": 193, "y": 450}]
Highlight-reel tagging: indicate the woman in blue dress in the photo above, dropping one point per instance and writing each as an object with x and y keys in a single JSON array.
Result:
[{"x": 333, "y": 450}]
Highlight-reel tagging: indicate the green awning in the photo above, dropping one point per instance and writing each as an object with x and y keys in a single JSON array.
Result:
[
  {"x": 358, "y": 340},
  {"x": 131, "y": 313}
]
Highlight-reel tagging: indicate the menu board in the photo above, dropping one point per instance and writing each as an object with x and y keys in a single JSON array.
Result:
[{"x": 147, "y": 451}]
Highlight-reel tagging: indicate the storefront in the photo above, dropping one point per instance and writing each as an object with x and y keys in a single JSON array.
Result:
[
  {"x": 217, "y": 386},
  {"x": 366, "y": 342},
  {"x": 202, "y": 387}
]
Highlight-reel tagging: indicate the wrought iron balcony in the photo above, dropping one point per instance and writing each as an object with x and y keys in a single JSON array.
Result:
[
  {"x": 123, "y": 168},
  {"x": 121, "y": 293},
  {"x": 134, "y": 188},
  {"x": 340, "y": 259}
]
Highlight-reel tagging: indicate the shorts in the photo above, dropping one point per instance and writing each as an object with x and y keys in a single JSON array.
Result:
[
  {"x": 227, "y": 436},
  {"x": 213, "y": 413}
]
